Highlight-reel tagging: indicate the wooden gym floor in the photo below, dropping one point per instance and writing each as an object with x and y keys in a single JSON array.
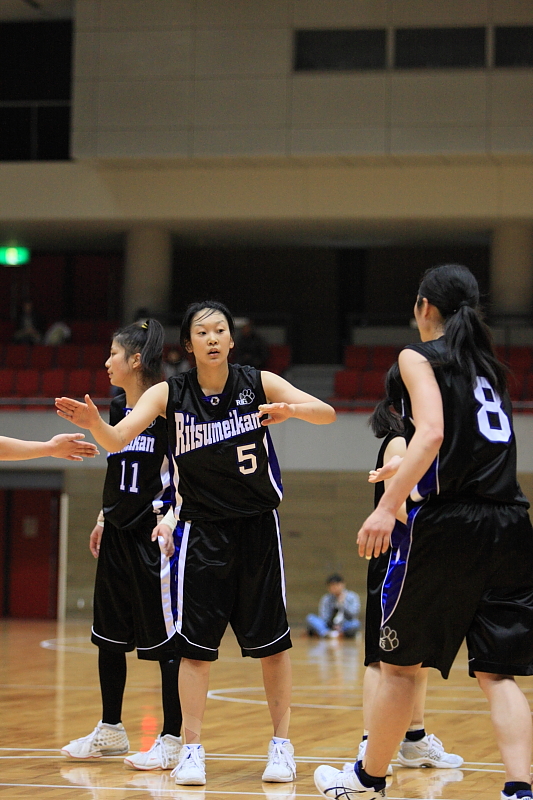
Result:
[{"x": 49, "y": 695}]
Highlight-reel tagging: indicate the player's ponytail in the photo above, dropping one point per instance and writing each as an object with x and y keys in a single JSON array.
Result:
[
  {"x": 147, "y": 338},
  {"x": 386, "y": 417},
  {"x": 454, "y": 291}
]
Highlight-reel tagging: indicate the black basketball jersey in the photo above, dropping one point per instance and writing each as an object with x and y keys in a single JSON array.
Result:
[
  {"x": 223, "y": 462},
  {"x": 477, "y": 458},
  {"x": 137, "y": 479}
]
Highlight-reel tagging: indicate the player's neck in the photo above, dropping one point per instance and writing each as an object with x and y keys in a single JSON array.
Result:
[
  {"x": 212, "y": 379},
  {"x": 133, "y": 393}
]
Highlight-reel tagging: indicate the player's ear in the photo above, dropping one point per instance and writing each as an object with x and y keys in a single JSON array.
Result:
[
  {"x": 188, "y": 346},
  {"x": 231, "y": 343},
  {"x": 136, "y": 361}
]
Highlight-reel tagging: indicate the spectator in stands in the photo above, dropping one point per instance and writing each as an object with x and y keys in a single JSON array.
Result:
[
  {"x": 27, "y": 325},
  {"x": 58, "y": 333},
  {"x": 174, "y": 364},
  {"x": 250, "y": 347},
  {"x": 338, "y": 611}
]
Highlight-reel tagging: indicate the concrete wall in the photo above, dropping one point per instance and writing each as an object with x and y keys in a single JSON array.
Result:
[{"x": 206, "y": 78}]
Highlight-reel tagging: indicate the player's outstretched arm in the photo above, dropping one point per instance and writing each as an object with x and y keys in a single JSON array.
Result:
[
  {"x": 385, "y": 472},
  {"x": 65, "y": 445},
  {"x": 285, "y": 401},
  {"x": 152, "y": 404}
]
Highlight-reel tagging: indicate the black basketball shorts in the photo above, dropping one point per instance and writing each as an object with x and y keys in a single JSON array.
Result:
[
  {"x": 461, "y": 570},
  {"x": 231, "y": 570},
  {"x": 133, "y": 593}
]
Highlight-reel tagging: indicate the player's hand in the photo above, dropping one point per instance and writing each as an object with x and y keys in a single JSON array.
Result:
[
  {"x": 84, "y": 415},
  {"x": 374, "y": 536},
  {"x": 164, "y": 535},
  {"x": 385, "y": 472},
  {"x": 94, "y": 540},
  {"x": 72, "y": 447},
  {"x": 277, "y": 412}
]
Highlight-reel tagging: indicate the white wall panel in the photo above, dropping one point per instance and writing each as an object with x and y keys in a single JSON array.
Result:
[
  {"x": 447, "y": 97},
  {"x": 145, "y": 14},
  {"x": 339, "y": 100},
  {"x": 512, "y": 97},
  {"x": 145, "y": 54},
  {"x": 242, "y": 52},
  {"x": 338, "y": 141},
  {"x": 240, "y": 102},
  {"x": 242, "y": 13},
  {"x": 340, "y": 13},
  {"x": 144, "y": 104},
  {"x": 240, "y": 142}
]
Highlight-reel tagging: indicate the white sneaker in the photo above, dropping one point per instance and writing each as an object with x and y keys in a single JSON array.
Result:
[
  {"x": 344, "y": 784},
  {"x": 361, "y": 755},
  {"x": 105, "y": 740},
  {"x": 428, "y": 752},
  {"x": 190, "y": 770},
  {"x": 163, "y": 754},
  {"x": 281, "y": 767}
]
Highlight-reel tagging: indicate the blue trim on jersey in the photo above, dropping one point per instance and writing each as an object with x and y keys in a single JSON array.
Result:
[
  {"x": 428, "y": 483},
  {"x": 274, "y": 463},
  {"x": 397, "y": 569},
  {"x": 174, "y": 559}
]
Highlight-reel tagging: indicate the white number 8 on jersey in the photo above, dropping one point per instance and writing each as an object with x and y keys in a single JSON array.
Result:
[{"x": 493, "y": 422}]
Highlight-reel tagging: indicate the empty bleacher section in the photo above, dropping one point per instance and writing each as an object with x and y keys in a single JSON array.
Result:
[
  {"x": 361, "y": 382},
  {"x": 31, "y": 376}
]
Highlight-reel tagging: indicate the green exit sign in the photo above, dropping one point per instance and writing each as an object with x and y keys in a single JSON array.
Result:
[{"x": 13, "y": 256}]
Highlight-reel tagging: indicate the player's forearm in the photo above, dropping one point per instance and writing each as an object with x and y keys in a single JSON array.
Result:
[
  {"x": 110, "y": 437},
  {"x": 18, "y": 450},
  {"x": 420, "y": 454},
  {"x": 314, "y": 411}
]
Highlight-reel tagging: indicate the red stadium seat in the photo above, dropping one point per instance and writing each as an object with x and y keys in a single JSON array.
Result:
[
  {"x": 519, "y": 359},
  {"x": 357, "y": 356},
  {"x": 101, "y": 385},
  {"x": 27, "y": 383},
  {"x": 347, "y": 384},
  {"x": 372, "y": 385},
  {"x": 53, "y": 383},
  {"x": 82, "y": 331},
  {"x": 384, "y": 356},
  {"x": 104, "y": 330},
  {"x": 279, "y": 358},
  {"x": 68, "y": 356},
  {"x": 94, "y": 355},
  {"x": 516, "y": 385},
  {"x": 79, "y": 383},
  {"x": 7, "y": 375},
  {"x": 17, "y": 355},
  {"x": 42, "y": 356}
]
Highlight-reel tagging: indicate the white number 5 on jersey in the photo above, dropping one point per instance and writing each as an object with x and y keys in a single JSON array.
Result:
[
  {"x": 493, "y": 422},
  {"x": 247, "y": 459}
]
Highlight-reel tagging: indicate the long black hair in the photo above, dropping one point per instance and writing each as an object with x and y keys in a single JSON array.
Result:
[
  {"x": 147, "y": 338},
  {"x": 387, "y": 415},
  {"x": 200, "y": 305},
  {"x": 454, "y": 291}
]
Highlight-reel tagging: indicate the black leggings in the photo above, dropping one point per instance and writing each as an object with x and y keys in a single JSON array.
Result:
[{"x": 112, "y": 670}]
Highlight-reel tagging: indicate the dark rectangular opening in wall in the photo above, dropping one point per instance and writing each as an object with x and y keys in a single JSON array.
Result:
[
  {"x": 35, "y": 60},
  {"x": 439, "y": 48},
  {"x": 15, "y": 134},
  {"x": 335, "y": 50},
  {"x": 53, "y": 133},
  {"x": 513, "y": 46}
]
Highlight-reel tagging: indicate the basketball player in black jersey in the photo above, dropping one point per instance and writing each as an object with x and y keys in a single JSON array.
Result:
[
  {"x": 470, "y": 567},
  {"x": 132, "y": 595},
  {"x": 227, "y": 488},
  {"x": 417, "y": 749}
]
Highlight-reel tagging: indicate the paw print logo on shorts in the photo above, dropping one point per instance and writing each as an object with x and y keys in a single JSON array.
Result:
[{"x": 388, "y": 639}]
